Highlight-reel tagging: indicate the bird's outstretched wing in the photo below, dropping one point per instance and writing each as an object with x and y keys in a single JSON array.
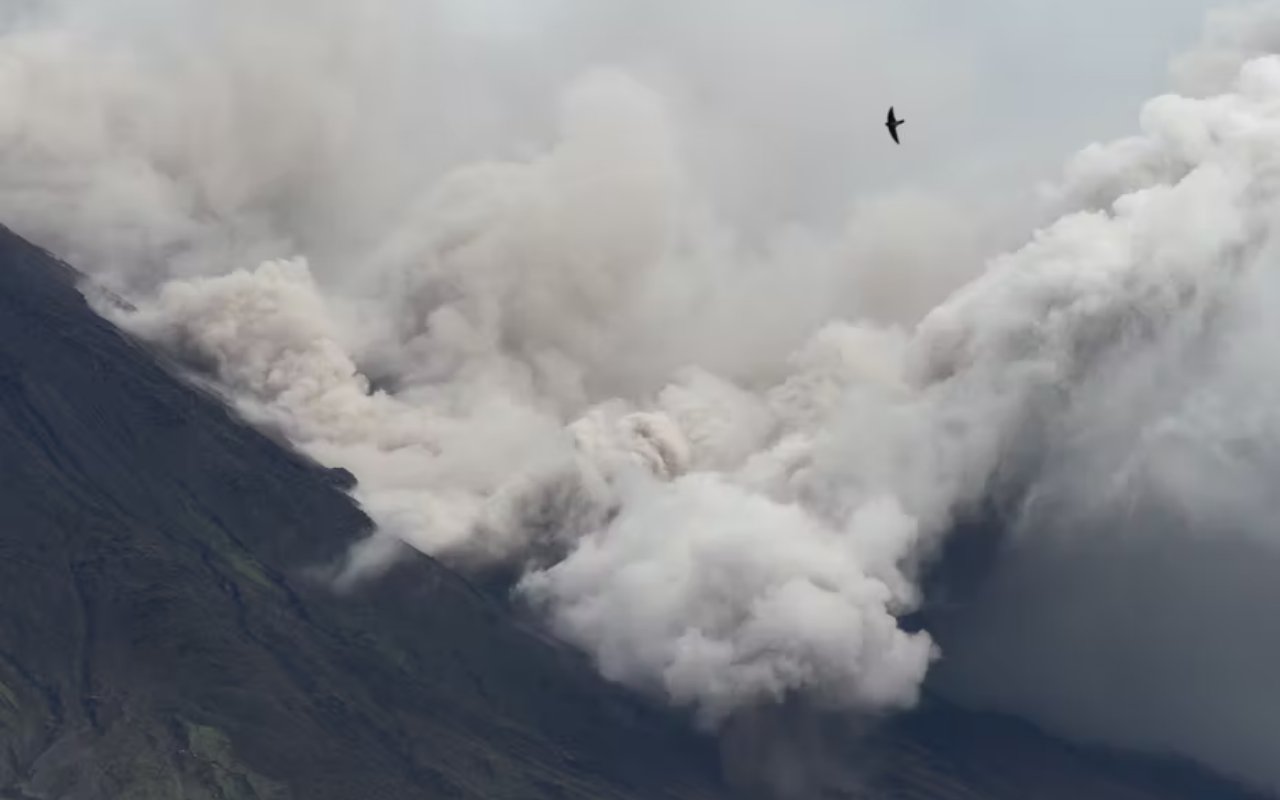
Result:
[{"x": 892, "y": 124}]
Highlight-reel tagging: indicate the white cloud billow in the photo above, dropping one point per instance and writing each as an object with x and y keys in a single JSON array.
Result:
[{"x": 716, "y": 460}]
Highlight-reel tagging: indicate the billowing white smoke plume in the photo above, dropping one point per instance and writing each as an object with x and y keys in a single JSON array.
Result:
[
  {"x": 1133, "y": 604},
  {"x": 579, "y": 366},
  {"x": 716, "y": 461}
]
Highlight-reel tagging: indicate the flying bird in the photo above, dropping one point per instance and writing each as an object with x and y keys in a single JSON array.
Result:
[{"x": 892, "y": 124}]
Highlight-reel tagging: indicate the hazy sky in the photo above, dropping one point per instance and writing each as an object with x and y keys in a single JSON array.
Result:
[
  {"x": 1052, "y": 76},
  {"x": 1002, "y": 83},
  {"x": 986, "y": 87},
  {"x": 782, "y": 101}
]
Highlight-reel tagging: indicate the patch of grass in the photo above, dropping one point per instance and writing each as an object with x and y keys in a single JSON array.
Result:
[
  {"x": 247, "y": 568},
  {"x": 243, "y": 563},
  {"x": 234, "y": 780}
]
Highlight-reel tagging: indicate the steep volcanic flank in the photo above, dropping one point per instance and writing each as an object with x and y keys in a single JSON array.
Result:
[{"x": 160, "y": 636}]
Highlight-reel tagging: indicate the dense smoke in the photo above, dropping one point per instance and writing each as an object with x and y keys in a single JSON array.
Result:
[
  {"x": 511, "y": 291},
  {"x": 555, "y": 332},
  {"x": 1132, "y": 603}
]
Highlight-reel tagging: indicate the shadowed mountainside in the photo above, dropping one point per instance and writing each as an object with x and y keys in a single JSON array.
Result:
[{"x": 159, "y": 637}]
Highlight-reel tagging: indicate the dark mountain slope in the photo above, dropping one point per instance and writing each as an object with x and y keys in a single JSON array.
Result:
[{"x": 159, "y": 637}]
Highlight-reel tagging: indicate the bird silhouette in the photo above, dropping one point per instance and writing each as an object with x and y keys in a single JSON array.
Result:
[{"x": 892, "y": 124}]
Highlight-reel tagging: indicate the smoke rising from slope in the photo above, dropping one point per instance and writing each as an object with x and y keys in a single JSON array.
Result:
[
  {"x": 508, "y": 287},
  {"x": 553, "y": 327},
  {"x": 1142, "y": 567}
]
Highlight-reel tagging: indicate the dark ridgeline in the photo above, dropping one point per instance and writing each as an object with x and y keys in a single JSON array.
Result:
[
  {"x": 158, "y": 637},
  {"x": 156, "y": 629}
]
